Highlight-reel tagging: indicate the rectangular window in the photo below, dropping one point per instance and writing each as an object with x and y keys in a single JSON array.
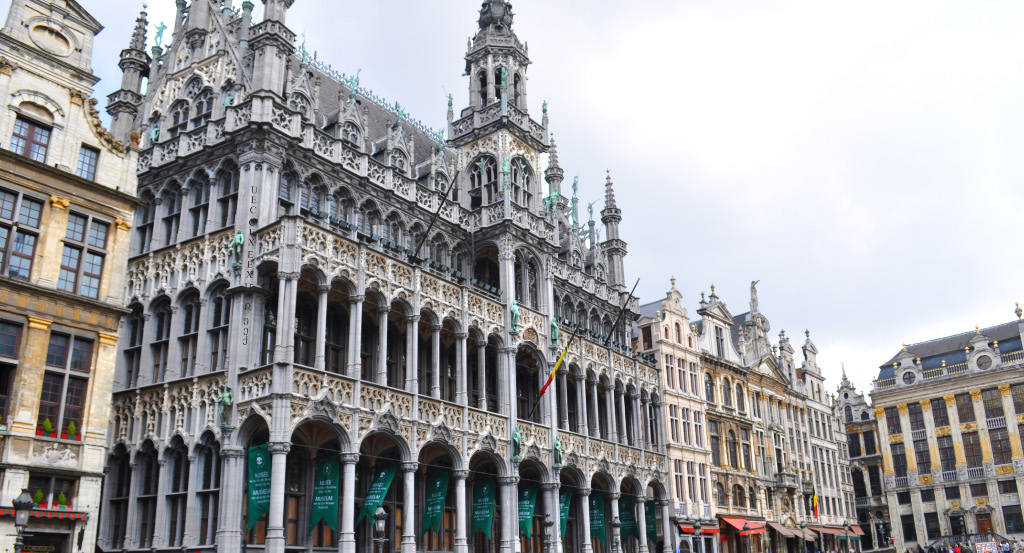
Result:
[
  {"x": 646, "y": 333},
  {"x": 928, "y": 495},
  {"x": 965, "y": 408},
  {"x": 1012, "y": 519},
  {"x": 992, "y": 400},
  {"x": 81, "y": 264},
  {"x": 939, "y": 414},
  {"x": 677, "y": 466},
  {"x": 979, "y": 490},
  {"x": 50, "y": 488},
  {"x": 947, "y": 456},
  {"x": 853, "y": 439},
  {"x": 952, "y": 492},
  {"x": 10, "y": 339},
  {"x": 1001, "y": 453},
  {"x": 62, "y": 398},
  {"x": 972, "y": 449},
  {"x": 30, "y": 139},
  {"x": 87, "y": 158},
  {"x": 869, "y": 443},
  {"x": 670, "y": 372},
  {"x": 698, "y": 428},
  {"x": 931, "y": 526},
  {"x": 1017, "y": 393},
  {"x": 1007, "y": 486},
  {"x": 903, "y": 498},
  {"x": 909, "y": 527},
  {"x": 899, "y": 459},
  {"x": 892, "y": 420},
  {"x": 922, "y": 455},
  {"x": 916, "y": 416},
  {"x": 673, "y": 417}
]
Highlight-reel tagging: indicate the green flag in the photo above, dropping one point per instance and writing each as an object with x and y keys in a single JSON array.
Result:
[
  {"x": 650, "y": 517},
  {"x": 437, "y": 491},
  {"x": 483, "y": 507},
  {"x": 627, "y": 516},
  {"x": 527, "y": 504},
  {"x": 325, "y": 494},
  {"x": 378, "y": 490},
  {"x": 564, "y": 503},
  {"x": 259, "y": 483},
  {"x": 597, "y": 517}
]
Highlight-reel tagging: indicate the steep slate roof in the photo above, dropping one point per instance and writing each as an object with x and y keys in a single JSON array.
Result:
[{"x": 951, "y": 348}]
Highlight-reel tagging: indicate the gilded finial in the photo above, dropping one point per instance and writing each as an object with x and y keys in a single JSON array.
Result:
[
  {"x": 977, "y": 329},
  {"x": 904, "y": 346},
  {"x": 943, "y": 362},
  {"x": 895, "y": 364},
  {"x": 918, "y": 360},
  {"x": 967, "y": 349},
  {"x": 1018, "y": 311}
]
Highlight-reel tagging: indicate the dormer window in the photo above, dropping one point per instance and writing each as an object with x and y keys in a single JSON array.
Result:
[
  {"x": 399, "y": 160},
  {"x": 179, "y": 118},
  {"x": 350, "y": 133}
]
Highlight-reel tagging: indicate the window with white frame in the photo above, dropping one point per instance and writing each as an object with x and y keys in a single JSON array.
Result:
[
  {"x": 88, "y": 158},
  {"x": 20, "y": 217},
  {"x": 81, "y": 261},
  {"x": 65, "y": 382}
]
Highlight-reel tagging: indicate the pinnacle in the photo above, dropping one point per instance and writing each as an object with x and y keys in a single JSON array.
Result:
[
  {"x": 554, "y": 153},
  {"x": 609, "y": 192},
  {"x": 139, "y": 34}
]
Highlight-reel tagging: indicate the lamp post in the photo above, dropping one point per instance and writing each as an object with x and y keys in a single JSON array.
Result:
[
  {"x": 379, "y": 526},
  {"x": 848, "y": 544},
  {"x": 746, "y": 533},
  {"x": 22, "y": 509},
  {"x": 549, "y": 534},
  {"x": 617, "y": 541},
  {"x": 697, "y": 537},
  {"x": 803, "y": 534}
]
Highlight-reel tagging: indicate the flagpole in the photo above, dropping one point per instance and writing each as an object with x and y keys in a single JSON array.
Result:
[
  {"x": 621, "y": 311},
  {"x": 415, "y": 257}
]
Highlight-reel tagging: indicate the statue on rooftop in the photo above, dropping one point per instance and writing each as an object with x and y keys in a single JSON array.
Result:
[
  {"x": 159, "y": 38},
  {"x": 353, "y": 84}
]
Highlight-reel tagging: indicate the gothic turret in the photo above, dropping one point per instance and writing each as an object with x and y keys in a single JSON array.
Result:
[
  {"x": 123, "y": 104},
  {"x": 272, "y": 44},
  {"x": 554, "y": 173},
  {"x": 494, "y": 48},
  {"x": 615, "y": 248}
]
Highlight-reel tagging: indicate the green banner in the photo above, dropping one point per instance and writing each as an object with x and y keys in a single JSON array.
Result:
[
  {"x": 378, "y": 490},
  {"x": 597, "y": 517},
  {"x": 650, "y": 517},
  {"x": 527, "y": 504},
  {"x": 325, "y": 493},
  {"x": 437, "y": 491},
  {"x": 627, "y": 516},
  {"x": 564, "y": 503},
  {"x": 483, "y": 507},
  {"x": 259, "y": 483}
]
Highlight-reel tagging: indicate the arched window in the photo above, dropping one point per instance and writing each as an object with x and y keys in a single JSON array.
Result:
[
  {"x": 300, "y": 103},
  {"x": 227, "y": 202},
  {"x": 738, "y": 497},
  {"x": 679, "y": 334},
  {"x": 144, "y": 215},
  {"x": 497, "y": 83},
  {"x": 726, "y": 393},
  {"x": 848, "y": 411},
  {"x": 522, "y": 182},
  {"x": 399, "y": 160},
  {"x": 202, "y": 108},
  {"x": 269, "y": 335},
  {"x": 286, "y": 193},
  {"x": 134, "y": 325},
  {"x": 730, "y": 443},
  {"x": 305, "y": 329},
  {"x": 177, "y": 496},
  {"x": 188, "y": 342},
  {"x": 161, "y": 336},
  {"x": 336, "y": 338},
  {"x": 483, "y": 181},
  {"x": 709, "y": 388},
  {"x": 149, "y": 479},
  {"x": 720, "y": 494},
  {"x": 118, "y": 482},
  {"x": 752, "y": 498},
  {"x": 482, "y": 85},
  {"x": 741, "y": 403},
  {"x": 220, "y": 324},
  {"x": 208, "y": 494},
  {"x": 517, "y": 91},
  {"x": 172, "y": 216},
  {"x": 296, "y": 464},
  {"x": 200, "y": 208},
  {"x": 864, "y": 416},
  {"x": 179, "y": 118},
  {"x": 350, "y": 133}
]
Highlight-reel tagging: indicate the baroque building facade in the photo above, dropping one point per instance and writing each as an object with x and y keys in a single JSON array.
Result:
[
  {"x": 866, "y": 467},
  {"x": 66, "y": 198},
  {"x": 763, "y": 411},
  {"x": 291, "y": 289},
  {"x": 950, "y": 413},
  {"x": 663, "y": 331}
]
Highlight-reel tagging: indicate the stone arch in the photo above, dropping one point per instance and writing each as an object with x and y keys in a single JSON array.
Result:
[
  {"x": 253, "y": 430},
  {"x": 530, "y": 370},
  {"x": 384, "y": 441}
]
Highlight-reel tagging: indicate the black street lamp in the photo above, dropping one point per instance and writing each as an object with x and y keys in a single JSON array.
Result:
[
  {"x": 22, "y": 509},
  {"x": 746, "y": 532},
  {"x": 616, "y": 534},
  {"x": 379, "y": 527},
  {"x": 549, "y": 533},
  {"x": 848, "y": 544},
  {"x": 697, "y": 537},
  {"x": 803, "y": 534}
]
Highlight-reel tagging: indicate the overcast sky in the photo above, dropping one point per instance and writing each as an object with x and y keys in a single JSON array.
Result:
[{"x": 861, "y": 159}]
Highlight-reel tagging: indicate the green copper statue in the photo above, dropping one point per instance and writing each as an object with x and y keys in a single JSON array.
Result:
[
  {"x": 513, "y": 327},
  {"x": 554, "y": 333},
  {"x": 544, "y": 107},
  {"x": 353, "y": 84},
  {"x": 159, "y": 38},
  {"x": 504, "y": 166},
  {"x": 575, "y": 186},
  {"x": 551, "y": 201},
  {"x": 590, "y": 209},
  {"x": 224, "y": 407},
  {"x": 303, "y": 53},
  {"x": 517, "y": 444},
  {"x": 450, "y": 101},
  {"x": 558, "y": 452},
  {"x": 440, "y": 141},
  {"x": 504, "y": 78},
  {"x": 401, "y": 114}
]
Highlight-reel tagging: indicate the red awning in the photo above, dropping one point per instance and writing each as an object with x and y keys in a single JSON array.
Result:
[
  {"x": 46, "y": 513},
  {"x": 688, "y": 529},
  {"x": 756, "y": 527},
  {"x": 856, "y": 530},
  {"x": 783, "y": 531},
  {"x": 809, "y": 535},
  {"x": 826, "y": 530}
]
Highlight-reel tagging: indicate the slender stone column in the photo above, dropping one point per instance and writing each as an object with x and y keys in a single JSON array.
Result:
[
  {"x": 645, "y": 425},
  {"x": 584, "y": 494},
  {"x": 595, "y": 415},
  {"x": 563, "y": 399},
  {"x": 551, "y": 509},
  {"x": 435, "y": 361},
  {"x": 666, "y": 523},
  {"x": 1011, "y": 425},
  {"x": 348, "y": 501},
  {"x": 132, "y": 524},
  {"x": 191, "y": 522},
  {"x": 412, "y": 348},
  {"x": 641, "y": 520},
  {"x": 461, "y": 390},
  {"x": 613, "y": 498},
  {"x": 582, "y": 422},
  {"x": 229, "y": 534},
  {"x": 509, "y": 513},
  {"x": 321, "y": 328},
  {"x": 461, "y": 543},
  {"x": 275, "y": 520},
  {"x": 382, "y": 344},
  {"x": 160, "y": 520},
  {"x": 481, "y": 375},
  {"x": 610, "y": 399},
  {"x": 355, "y": 335},
  {"x": 409, "y": 507}
]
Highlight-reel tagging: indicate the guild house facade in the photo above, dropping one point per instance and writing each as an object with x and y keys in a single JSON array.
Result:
[
  {"x": 300, "y": 322},
  {"x": 67, "y": 196}
]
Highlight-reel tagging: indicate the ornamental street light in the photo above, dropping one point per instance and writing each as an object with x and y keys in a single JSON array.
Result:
[
  {"x": 696, "y": 536},
  {"x": 22, "y": 509},
  {"x": 379, "y": 527},
  {"x": 803, "y": 534},
  {"x": 616, "y": 543},
  {"x": 549, "y": 533},
  {"x": 746, "y": 532}
]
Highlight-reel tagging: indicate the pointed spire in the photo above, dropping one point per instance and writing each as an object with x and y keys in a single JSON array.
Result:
[
  {"x": 553, "y": 161},
  {"x": 609, "y": 191},
  {"x": 139, "y": 34}
]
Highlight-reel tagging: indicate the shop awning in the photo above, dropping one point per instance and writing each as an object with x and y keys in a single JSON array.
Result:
[
  {"x": 46, "y": 513},
  {"x": 827, "y": 530},
  {"x": 705, "y": 529},
  {"x": 756, "y": 527},
  {"x": 852, "y": 537},
  {"x": 856, "y": 530},
  {"x": 810, "y": 535},
  {"x": 783, "y": 531}
]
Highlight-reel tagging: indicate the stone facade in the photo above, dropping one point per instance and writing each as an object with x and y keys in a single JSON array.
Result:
[
  {"x": 66, "y": 199},
  {"x": 950, "y": 414},
  {"x": 287, "y": 257},
  {"x": 664, "y": 332}
]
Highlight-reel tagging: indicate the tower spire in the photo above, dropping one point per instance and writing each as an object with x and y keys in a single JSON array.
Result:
[
  {"x": 139, "y": 34},
  {"x": 609, "y": 192},
  {"x": 123, "y": 104},
  {"x": 611, "y": 216}
]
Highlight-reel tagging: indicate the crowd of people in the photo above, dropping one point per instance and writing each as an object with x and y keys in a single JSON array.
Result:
[{"x": 1005, "y": 546}]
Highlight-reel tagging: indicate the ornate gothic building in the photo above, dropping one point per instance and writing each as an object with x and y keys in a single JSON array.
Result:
[{"x": 294, "y": 303}]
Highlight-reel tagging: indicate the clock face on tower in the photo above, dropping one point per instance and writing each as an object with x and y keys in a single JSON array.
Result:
[{"x": 984, "y": 362}]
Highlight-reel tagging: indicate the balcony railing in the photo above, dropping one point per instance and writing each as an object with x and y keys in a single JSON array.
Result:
[
  {"x": 975, "y": 472},
  {"x": 863, "y": 501},
  {"x": 901, "y": 482},
  {"x": 919, "y": 434},
  {"x": 949, "y": 476},
  {"x": 1012, "y": 357},
  {"x": 995, "y": 422}
]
